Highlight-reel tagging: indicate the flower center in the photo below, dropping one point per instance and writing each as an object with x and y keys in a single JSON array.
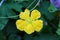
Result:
[{"x": 29, "y": 21}]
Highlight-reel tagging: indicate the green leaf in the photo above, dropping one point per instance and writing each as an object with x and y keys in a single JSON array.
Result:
[
  {"x": 11, "y": 14},
  {"x": 58, "y": 31},
  {"x": 5, "y": 11},
  {"x": 43, "y": 8},
  {"x": 52, "y": 8},
  {"x": 3, "y": 23},
  {"x": 15, "y": 6}
]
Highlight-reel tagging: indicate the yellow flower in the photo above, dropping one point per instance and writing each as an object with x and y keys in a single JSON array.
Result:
[{"x": 29, "y": 22}]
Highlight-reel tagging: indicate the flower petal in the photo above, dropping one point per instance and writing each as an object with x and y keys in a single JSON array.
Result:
[
  {"x": 25, "y": 14},
  {"x": 29, "y": 29},
  {"x": 35, "y": 14},
  {"x": 38, "y": 25},
  {"x": 20, "y": 24}
]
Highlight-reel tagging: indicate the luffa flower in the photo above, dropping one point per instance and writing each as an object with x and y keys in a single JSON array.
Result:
[
  {"x": 29, "y": 22},
  {"x": 56, "y": 3}
]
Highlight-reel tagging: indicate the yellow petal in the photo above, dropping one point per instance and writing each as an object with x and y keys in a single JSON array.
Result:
[
  {"x": 29, "y": 29},
  {"x": 35, "y": 14},
  {"x": 38, "y": 25},
  {"x": 20, "y": 24},
  {"x": 25, "y": 14}
]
